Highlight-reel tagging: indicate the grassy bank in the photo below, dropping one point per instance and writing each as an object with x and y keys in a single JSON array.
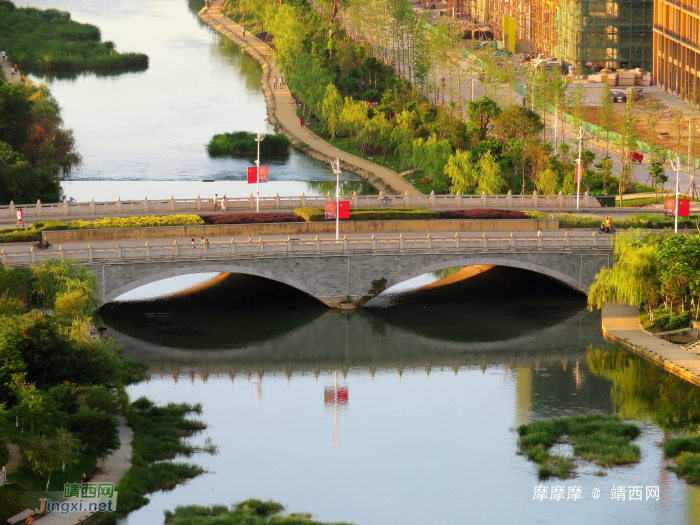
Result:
[
  {"x": 243, "y": 143},
  {"x": 647, "y": 221},
  {"x": 48, "y": 40},
  {"x": 686, "y": 453},
  {"x": 159, "y": 432},
  {"x": 248, "y": 512},
  {"x": 602, "y": 439}
]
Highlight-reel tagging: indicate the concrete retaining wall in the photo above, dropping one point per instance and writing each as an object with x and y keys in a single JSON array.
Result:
[{"x": 302, "y": 228}]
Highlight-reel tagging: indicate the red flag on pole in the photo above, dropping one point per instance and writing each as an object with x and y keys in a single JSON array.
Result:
[
  {"x": 577, "y": 174},
  {"x": 252, "y": 172},
  {"x": 344, "y": 210},
  {"x": 683, "y": 207}
]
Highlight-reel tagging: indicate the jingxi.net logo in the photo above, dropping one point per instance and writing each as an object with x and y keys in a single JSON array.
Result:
[{"x": 81, "y": 497}]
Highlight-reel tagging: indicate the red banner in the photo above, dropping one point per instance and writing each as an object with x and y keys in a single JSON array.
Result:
[
  {"x": 344, "y": 207},
  {"x": 577, "y": 174},
  {"x": 683, "y": 207},
  {"x": 252, "y": 172}
]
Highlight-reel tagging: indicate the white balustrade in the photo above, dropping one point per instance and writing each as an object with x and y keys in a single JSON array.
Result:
[{"x": 198, "y": 204}]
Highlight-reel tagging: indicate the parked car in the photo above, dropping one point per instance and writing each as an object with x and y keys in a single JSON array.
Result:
[{"x": 636, "y": 156}]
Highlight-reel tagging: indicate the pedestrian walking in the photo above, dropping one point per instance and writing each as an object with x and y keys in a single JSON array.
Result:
[
  {"x": 3, "y": 54},
  {"x": 249, "y": 237},
  {"x": 192, "y": 243},
  {"x": 206, "y": 241},
  {"x": 216, "y": 201},
  {"x": 12, "y": 72},
  {"x": 20, "y": 217},
  {"x": 301, "y": 121},
  {"x": 243, "y": 30},
  {"x": 281, "y": 81},
  {"x": 223, "y": 203},
  {"x": 274, "y": 82},
  {"x": 201, "y": 241}
]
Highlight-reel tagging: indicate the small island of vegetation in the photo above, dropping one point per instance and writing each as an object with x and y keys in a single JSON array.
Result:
[
  {"x": 602, "y": 439},
  {"x": 243, "y": 143},
  {"x": 48, "y": 40}
]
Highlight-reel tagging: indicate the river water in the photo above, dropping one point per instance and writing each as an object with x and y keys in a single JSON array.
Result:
[
  {"x": 152, "y": 125},
  {"x": 402, "y": 414}
]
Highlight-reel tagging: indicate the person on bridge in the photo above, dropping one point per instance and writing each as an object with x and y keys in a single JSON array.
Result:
[
  {"x": 193, "y": 245},
  {"x": 243, "y": 30},
  {"x": 274, "y": 82},
  {"x": 223, "y": 203},
  {"x": 20, "y": 217}
]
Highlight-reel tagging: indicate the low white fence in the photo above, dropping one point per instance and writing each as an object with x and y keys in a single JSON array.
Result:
[
  {"x": 199, "y": 204},
  {"x": 29, "y": 255}
]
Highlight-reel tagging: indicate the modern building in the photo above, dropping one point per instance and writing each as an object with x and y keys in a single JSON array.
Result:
[
  {"x": 677, "y": 46},
  {"x": 605, "y": 33}
]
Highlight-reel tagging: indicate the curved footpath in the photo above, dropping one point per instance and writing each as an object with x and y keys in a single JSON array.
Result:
[
  {"x": 115, "y": 466},
  {"x": 14, "y": 458},
  {"x": 281, "y": 110},
  {"x": 621, "y": 326},
  {"x": 6, "y": 72}
]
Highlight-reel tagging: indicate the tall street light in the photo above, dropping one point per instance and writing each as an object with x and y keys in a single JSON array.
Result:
[
  {"x": 676, "y": 166},
  {"x": 336, "y": 169},
  {"x": 259, "y": 138},
  {"x": 581, "y": 137}
]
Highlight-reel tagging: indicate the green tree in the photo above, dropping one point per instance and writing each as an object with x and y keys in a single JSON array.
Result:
[
  {"x": 431, "y": 156},
  {"x": 490, "y": 179},
  {"x": 658, "y": 176},
  {"x": 331, "y": 107},
  {"x": 483, "y": 112},
  {"x": 463, "y": 174},
  {"x": 548, "y": 182},
  {"x": 606, "y": 115},
  {"x": 634, "y": 277},
  {"x": 97, "y": 431},
  {"x": 46, "y": 454}
]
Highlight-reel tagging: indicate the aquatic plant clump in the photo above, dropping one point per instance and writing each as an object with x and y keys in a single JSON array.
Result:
[
  {"x": 686, "y": 453},
  {"x": 248, "y": 512},
  {"x": 601, "y": 439},
  {"x": 48, "y": 40},
  {"x": 243, "y": 143}
]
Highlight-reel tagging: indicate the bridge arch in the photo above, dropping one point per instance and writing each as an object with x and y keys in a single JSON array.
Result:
[
  {"x": 209, "y": 268},
  {"x": 494, "y": 261}
]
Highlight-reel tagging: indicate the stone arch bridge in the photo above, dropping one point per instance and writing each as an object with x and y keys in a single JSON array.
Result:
[{"x": 341, "y": 270}]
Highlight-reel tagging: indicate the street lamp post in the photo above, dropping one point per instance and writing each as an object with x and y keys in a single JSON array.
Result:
[
  {"x": 580, "y": 138},
  {"x": 336, "y": 169},
  {"x": 676, "y": 166},
  {"x": 259, "y": 138}
]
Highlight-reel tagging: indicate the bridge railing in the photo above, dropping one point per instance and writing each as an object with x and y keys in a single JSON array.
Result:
[
  {"x": 199, "y": 205},
  {"x": 28, "y": 255}
]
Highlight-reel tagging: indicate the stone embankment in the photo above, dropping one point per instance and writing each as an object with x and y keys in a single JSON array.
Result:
[
  {"x": 281, "y": 110},
  {"x": 621, "y": 326}
]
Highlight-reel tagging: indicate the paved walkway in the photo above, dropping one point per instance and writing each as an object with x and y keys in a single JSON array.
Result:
[
  {"x": 621, "y": 325},
  {"x": 114, "y": 468},
  {"x": 283, "y": 108},
  {"x": 6, "y": 72},
  {"x": 15, "y": 457}
]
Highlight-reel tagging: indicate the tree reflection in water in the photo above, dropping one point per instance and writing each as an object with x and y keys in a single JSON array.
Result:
[{"x": 641, "y": 390}]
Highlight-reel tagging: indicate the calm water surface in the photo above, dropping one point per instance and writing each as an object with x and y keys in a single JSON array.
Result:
[
  {"x": 402, "y": 414},
  {"x": 153, "y": 124}
]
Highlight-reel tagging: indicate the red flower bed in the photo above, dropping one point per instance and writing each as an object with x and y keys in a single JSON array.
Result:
[
  {"x": 250, "y": 218},
  {"x": 482, "y": 213}
]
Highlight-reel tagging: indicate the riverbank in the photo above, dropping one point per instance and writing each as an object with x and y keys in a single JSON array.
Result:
[
  {"x": 281, "y": 109},
  {"x": 620, "y": 325}
]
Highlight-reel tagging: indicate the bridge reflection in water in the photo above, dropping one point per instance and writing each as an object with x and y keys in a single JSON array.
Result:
[{"x": 247, "y": 326}]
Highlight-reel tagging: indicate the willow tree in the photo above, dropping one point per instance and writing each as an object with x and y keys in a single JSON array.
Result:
[
  {"x": 331, "y": 107},
  {"x": 353, "y": 117},
  {"x": 634, "y": 278},
  {"x": 490, "y": 179},
  {"x": 376, "y": 132},
  {"x": 462, "y": 172},
  {"x": 431, "y": 156},
  {"x": 403, "y": 135}
]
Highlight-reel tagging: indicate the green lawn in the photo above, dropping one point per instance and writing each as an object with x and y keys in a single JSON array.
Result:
[
  {"x": 25, "y": 487},
  {"x": 415, "y": 180}
]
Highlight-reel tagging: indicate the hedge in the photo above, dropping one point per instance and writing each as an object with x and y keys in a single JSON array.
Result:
[
  {"x": 640, "y": 220},
  {"x": 483, "y": 213},
  {"x": 250, "y": 218},
  {"x": 136, "y": 222},
  {"x": 31, "y": 233},
  {"x": 371, "y": 214}
]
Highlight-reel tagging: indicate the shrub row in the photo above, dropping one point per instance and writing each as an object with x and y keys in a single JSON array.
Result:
[
  {"x": 371, "y": 214},
  {"x": 483, "y": 213},
  {"x": 136, "y": 222},
  {"x": 250, "y": 218}
]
